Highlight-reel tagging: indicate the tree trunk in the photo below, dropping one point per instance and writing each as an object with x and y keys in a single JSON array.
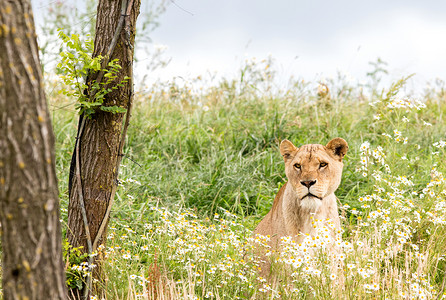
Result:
[
  {"x": 29, "y": 214},
  {"x": 101, "y": 136}
]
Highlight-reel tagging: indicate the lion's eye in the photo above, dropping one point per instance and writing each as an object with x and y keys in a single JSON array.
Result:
[
  {"x": 322, "y": 164},
  {"x": 297, "y": 166}
]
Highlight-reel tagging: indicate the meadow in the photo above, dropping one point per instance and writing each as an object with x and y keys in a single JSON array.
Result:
[{"x": 202, "y": 167}]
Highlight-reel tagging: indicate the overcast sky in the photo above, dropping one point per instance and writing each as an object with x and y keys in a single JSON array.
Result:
[
  {"x": 308, "y": 38},
  {"x": 311, "y": 39}
]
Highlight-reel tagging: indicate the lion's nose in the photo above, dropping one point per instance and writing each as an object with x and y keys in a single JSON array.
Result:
[{"x": 308, "y": 183}]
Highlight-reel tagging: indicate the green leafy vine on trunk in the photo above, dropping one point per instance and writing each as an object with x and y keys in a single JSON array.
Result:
[{"x": 76, "y": 63}]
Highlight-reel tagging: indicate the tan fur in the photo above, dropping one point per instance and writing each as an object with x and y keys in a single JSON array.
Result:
[{"x": 293, "y": 211}]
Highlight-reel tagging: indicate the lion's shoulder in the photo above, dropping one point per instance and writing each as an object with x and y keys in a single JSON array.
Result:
[{"x": 279, "y": 197}]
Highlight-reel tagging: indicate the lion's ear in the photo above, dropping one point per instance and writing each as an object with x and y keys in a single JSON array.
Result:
[
  {"x": 287, "y": 149},
  {"x": 338, "y": 147}
]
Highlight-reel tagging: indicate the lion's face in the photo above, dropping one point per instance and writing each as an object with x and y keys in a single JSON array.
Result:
[{"x": 314, "y": 171}]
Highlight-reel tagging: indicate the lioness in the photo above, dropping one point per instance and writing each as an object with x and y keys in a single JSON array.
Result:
[{"x": 314, "y": 173}]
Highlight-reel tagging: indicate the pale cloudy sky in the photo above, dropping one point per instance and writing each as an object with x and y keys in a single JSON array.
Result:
[{"x": 309, "y": 39}]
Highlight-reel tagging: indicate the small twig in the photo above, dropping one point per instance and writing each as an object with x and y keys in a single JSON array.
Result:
[
  {"x": 77, "y": 80},
  {"x": 186, "y": 11},
  {"x": 132, "y": 160}
]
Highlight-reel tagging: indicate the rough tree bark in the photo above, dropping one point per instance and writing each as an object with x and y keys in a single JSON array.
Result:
[
  {"x": 29, "y": 214},
  {"x": 101, "y": 136}
]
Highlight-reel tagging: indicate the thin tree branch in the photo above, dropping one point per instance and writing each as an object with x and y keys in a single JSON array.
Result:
[
  {"x": 132, "y": 160},
  {"x": 83, "y": 210}
]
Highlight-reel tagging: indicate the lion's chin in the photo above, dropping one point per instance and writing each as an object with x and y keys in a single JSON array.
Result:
[{"x": 310, "y": 202}]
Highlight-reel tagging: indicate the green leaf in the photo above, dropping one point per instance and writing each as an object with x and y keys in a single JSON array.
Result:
[
  {"x": 79, "y": 284},
  {"x": 113, "y": 109}
]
